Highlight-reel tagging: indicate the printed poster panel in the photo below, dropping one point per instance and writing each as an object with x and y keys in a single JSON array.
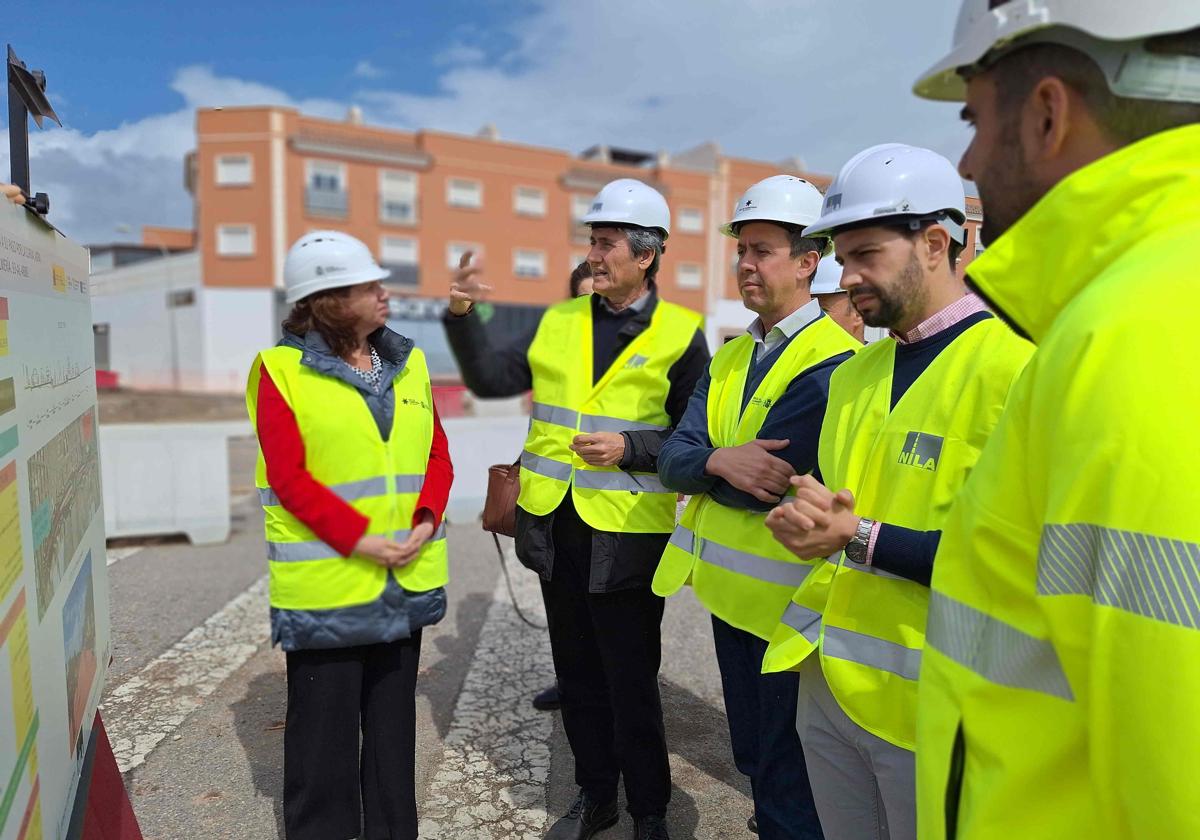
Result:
[{"x": 53, "y": 578}]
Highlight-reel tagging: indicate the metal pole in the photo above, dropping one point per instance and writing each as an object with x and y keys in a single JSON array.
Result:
[{"x": 18, "y": 136}]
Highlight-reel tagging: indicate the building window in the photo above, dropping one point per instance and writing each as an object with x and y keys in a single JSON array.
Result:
[
  {"x": 463, "y": 192},
  {"x": 529, "y": 263},
  {"x": 397, "y": 197},
  {"x": 235, "y": 240},
  {"x": 690, "y": 220},
  {"x": 325, "y": 191},
  {"x": 455, "y": 250},
  {"x": 399, "y": 255},
  {"x": 398, "y": 250},
  {"x": 529, "y": 201},
  {"x": 689, "y": 276},
  {"x": 234, "y": 170},
  {"x": 580, "y": 205}
]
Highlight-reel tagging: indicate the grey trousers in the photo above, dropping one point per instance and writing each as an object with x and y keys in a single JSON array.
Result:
[{"x": 864, "y": 787}]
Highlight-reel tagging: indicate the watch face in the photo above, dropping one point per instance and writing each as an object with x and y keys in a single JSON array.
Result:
[{"x": 856, "y": 552}]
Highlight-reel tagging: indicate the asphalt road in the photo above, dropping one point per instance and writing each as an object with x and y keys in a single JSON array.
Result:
[{"x": 196, "y": 698}]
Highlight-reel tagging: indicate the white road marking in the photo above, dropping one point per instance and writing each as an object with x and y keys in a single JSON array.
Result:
[
  {"x": 152, "y": 704},
  {"x": 115, "y": 554},
  {"x": 491, "y": 782}
]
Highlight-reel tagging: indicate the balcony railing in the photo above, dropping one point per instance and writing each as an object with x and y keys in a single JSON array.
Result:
[
  {"x": 403, "y": 274},
  {"x": 325, "y": 202}
]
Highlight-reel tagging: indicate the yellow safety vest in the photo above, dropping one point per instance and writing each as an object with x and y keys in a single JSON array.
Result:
[
  {"x": 736, "y": 568},
  {"x": 1058, "y": 694},
  {"x": 630, "y": 396},
  {"x": 904, "y": 466},
  {"x": 344, "y": 451}
]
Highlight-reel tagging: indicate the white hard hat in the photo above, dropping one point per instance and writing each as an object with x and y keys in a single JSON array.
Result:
[
  {"x": 780, "y": 198},
  {"x": 898, "y": 183},
  {"x": 828, "y": 277},
  {"x": 627, "y": 201},
  {"x": 1111, "y": 32},
  {"x": 327, "y": 259}
]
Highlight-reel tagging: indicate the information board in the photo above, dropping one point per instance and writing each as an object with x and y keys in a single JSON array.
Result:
[{"x": 54, "y": 636}]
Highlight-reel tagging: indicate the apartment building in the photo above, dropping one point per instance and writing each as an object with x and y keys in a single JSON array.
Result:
[{"x": 263, "y": 176}]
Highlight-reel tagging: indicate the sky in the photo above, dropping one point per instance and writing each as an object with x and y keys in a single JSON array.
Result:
[{"x": 769, "y": 79}]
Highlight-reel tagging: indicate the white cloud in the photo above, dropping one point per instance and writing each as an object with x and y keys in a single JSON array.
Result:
[
  {"x": 458, "y": 53},
  {"x": 366, "y": 70},
  {"x": 133, "y": 174},
  {"x": 768, "y": 79}
]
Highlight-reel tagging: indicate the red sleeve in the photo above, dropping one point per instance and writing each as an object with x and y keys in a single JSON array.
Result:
[
  {"x": 439, "y": 475},
  {"x": 331, "y": 519}
]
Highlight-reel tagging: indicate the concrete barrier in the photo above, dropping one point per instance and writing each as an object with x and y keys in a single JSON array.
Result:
[
  {"x": 475, "y": 444},
  {"x": 168, "y": 478}
]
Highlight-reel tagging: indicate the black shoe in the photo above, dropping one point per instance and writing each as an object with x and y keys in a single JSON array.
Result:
[
  {"x": 752, "y": 824},
  {"x": 548, "y": 699},
  {"x": 586, "y": 818},
  {"x": 650, "y": 828}
]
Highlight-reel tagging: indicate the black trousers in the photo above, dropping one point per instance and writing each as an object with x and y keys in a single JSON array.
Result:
[
  {"x": 332, "y": 696},
  {"x": 607, "y": 651}
]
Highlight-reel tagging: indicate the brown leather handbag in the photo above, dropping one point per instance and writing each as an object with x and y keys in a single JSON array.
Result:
[{"x": 500, "y": 506}]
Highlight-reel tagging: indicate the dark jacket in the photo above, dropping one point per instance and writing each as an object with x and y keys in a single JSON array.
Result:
[{"x": 619, "y": 560}]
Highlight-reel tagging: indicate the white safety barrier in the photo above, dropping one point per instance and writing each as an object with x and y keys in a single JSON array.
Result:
[
  {"x": 475, "y": 444},
  {"x": 168, "y": 478}
]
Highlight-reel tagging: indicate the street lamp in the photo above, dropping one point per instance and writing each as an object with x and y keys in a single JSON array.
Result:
[{"x": 170, "y": 305}]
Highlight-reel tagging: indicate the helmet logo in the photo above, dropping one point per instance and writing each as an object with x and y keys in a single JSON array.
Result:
[
  {"x": 322, "y": 270},
  {"x": 748, "y": 204},
  {"x": 833, "y": 202},
  {"x": 598, "y": 206}
]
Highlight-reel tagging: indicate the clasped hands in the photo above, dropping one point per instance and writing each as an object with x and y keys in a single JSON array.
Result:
[
  {"x": 816, "y": 522},
  {"x": 392, "y": 554}
]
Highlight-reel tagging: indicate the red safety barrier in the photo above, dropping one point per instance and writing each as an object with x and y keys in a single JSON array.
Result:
[{"x": 108, "y": 814}]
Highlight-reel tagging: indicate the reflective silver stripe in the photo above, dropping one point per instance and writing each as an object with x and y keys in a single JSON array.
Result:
[
  {"x": 996, "y": 651},
  {"x": 804, "y": 621},
  {"x": 1150, "y": 576},
  {"x": 599, "y": 423},
  {"x": 353, "y": 490},
  {"x": 291, "y": 552},
  {"x": 683, "y": 538},
  {"x": 559, "y": 416},
  {"x": 872, "y": 652},
  {"x": 409, "y": 483},
  {"x": 621, "y": 480},
  {"x": 872, "y": 570},
  {"x": 545, "y": 466},
  {"x": 753, "y": 565},
  {"x": 555, "y": 415},
  {"x": 439, "y": 534}
]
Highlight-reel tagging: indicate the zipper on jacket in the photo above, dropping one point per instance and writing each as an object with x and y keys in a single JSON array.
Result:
[{"x": 954, "y": 782}]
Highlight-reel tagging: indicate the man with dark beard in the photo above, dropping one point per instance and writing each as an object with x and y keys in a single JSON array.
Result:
[{"x": 905, "y": 420}]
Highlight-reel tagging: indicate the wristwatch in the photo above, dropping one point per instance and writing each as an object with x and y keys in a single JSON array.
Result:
[{"x": 856, "y": 549}]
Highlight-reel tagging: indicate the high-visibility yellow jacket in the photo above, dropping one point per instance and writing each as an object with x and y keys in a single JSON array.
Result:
[
  {"x": 904, "y": 465},
  {"x": 736, "y": 568},
  {"x": 1060, "y": 688},
  {"x": 631, "y": 396},
  {"x": 379, "y": 479}
]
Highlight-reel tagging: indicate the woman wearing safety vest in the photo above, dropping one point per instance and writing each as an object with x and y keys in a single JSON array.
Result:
[
  {"x": 906, "y": 419},
  {"x": 353, "y": 474},
  {"x": 1060, "y": 688}
]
